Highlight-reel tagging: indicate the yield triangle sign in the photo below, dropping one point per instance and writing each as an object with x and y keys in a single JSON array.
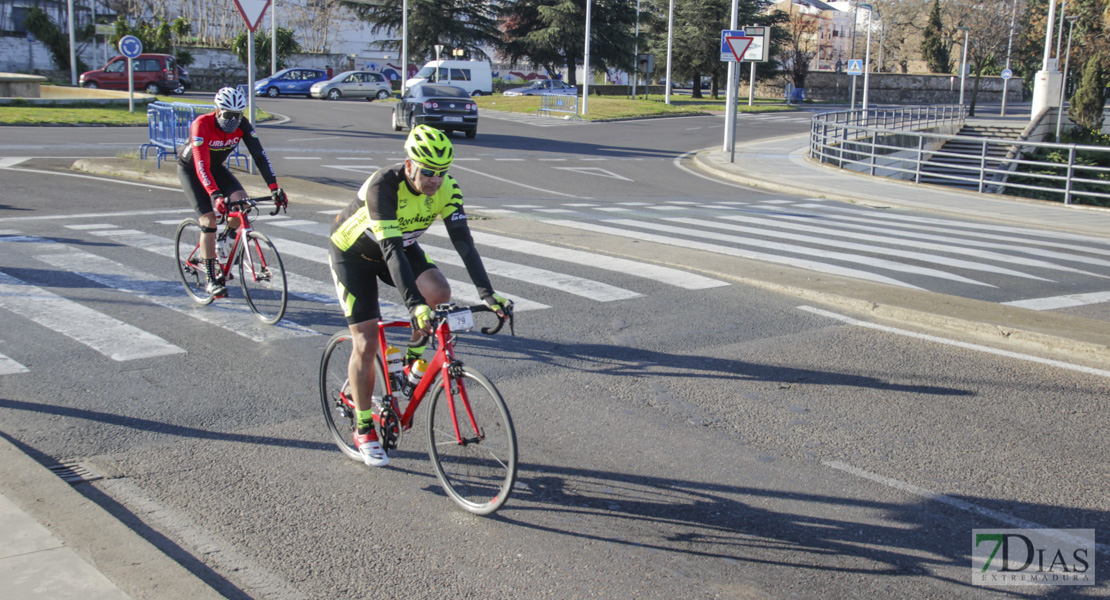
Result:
[
  {"x": 252, "y": 11},
  {"x": 739, "y": 46}
]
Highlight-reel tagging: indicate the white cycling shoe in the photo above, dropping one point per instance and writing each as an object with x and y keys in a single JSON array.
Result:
[{"x": 371, "y": 449}]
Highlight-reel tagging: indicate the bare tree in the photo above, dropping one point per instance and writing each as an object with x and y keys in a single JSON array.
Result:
[
  {"x": 315, "y": 22},
  {"x": 800, "y": 46},
  {"x": 988, "y": 23}
]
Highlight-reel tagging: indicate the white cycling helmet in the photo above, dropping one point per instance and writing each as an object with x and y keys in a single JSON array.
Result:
[{"x": 232, "y": 99}]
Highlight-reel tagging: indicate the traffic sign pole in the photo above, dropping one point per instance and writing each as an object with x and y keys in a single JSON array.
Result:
[{"x": 131, "y": 47}]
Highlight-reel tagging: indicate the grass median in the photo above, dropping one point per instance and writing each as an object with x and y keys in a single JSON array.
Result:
[
  {"x": 608, "y": 108},
  {"x": 89, "y": 114}
]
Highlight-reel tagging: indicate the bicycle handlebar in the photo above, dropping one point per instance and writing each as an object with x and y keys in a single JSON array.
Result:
[
  {"x": 440, "y": 313},
  {"x": 252, "y": 202}
]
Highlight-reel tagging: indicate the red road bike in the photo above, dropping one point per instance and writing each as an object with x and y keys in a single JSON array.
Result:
[
  {"x": 471, "y": 440},
  {"x": 261, "y": 274}
]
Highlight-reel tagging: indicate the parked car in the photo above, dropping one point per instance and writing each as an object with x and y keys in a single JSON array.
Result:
[
  {"x": 294, "y": 80},
  {"x": 546, "y": 87},
  {"x": 445, "y": 107},
  {"x": 353, "y": 84},
  {"x": 184, "y": 82},
  {"x": 154, "y": 74}
]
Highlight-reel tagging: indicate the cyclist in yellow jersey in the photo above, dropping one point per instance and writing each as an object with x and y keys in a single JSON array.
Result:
[{"x": 375, "y": 237}]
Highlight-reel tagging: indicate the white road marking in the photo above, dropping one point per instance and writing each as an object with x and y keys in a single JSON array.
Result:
[
  {"x": 10, "y": 367},
  {"x": 109, "y": 336},
  {"x": 113, "y": 181},
  {"x": 517, "y": 183},
  {"x": 675, "y": 277},
  {"x": 301, "y": 157},
  {"x": 827, "y": 241},
  {"x": 586, "y": 288},
  {"x": 129, "y": 213},
  {"x": 1064, "y": 301},
  {"x": 730, "y": 251},
  {"x": 91, "y": 226},
  {"x": 306, "y": 226},
  {"x": 594, "y": 171},
  {"x": 222, "y": 554},
  {"x": 965, "y": 239},
  {"x": 948, "y": 247},
  {"x": 6, "y": 163},
  {"x": 910, "y": 488},
  {"x": 312, "y": 139},
  {"x": 957, "y": 343},
  {"x": 233, "y": 315},
  {"x": 880, "y": 263}
]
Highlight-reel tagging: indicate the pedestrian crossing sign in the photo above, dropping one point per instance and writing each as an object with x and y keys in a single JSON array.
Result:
[{"x": 855, "y": 67}]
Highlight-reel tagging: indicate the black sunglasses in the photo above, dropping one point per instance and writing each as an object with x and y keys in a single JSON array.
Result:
[{"x": 231, "y": 114}]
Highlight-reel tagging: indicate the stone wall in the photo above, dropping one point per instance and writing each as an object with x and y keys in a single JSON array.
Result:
[{"x": 892, "y": 88}]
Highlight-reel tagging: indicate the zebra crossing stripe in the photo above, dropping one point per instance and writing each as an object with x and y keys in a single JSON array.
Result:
[
  {"x": 675, "y": 277},
  {"x": 881, "y": 263},
  {"x": 810, "y": 265},
  {"x": 830, "y": 241},
  {"x": 1065, "y": 301},
  {"x": 234, "y": 316},
  {"x": 950, "y": 248},
  {"x": 109, "y": 336},
  {"x": 1014, "y": 243},
  {"x": 10, "y": 367},
  {"x": 312, "y": 227},
  {"x": 586, "y": 288}
]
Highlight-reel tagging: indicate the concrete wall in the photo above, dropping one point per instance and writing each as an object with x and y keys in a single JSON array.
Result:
[
  {"x": 14, "y": 85},
  {"x": 892, "y": 88}
]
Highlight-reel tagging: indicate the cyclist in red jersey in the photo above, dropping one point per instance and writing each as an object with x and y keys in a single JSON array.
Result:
[{"x": 207, "y": 181}]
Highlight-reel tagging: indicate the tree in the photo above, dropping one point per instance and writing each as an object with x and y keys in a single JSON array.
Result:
[
  {"x": 1086, "y": 104},
  {"x": 933, "y": 48},
  {"x": 315, "y": 21},
  {"x": 988, "y": 23},
  {"x": 286, "y": 47},
  {"x": 799, "y": 44},
  {"x": 469, "y": 25},
  {"x": 46, "y": 30},
  {"x": 552, "y": 34},
  {"x": 159, "y": 36}
]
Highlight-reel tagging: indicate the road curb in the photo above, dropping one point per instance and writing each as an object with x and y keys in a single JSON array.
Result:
[{"x": 133, "y": 564}]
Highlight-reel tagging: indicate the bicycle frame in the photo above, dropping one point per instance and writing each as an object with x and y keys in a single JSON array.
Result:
[{"x": 440, "y": 363}]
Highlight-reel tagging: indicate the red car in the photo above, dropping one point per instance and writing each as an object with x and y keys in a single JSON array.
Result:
[{"x": 154, "y": 74}]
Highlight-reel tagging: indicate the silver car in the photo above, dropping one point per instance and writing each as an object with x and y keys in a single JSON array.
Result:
[
  {"x": 544, "y": 87},
  {"x": 354, "y": 84}
]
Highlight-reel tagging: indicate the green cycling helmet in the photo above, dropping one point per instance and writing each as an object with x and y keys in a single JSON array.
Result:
[{"x": 430, "y": 146}]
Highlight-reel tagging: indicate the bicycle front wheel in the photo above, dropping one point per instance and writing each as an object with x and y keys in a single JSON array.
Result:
[
  {"x": 263, "y": 278},
  {"x": 335, "y": 393},
  {"x": 472, "y": 443},
  {"x": 339, "y": 415},
  {"x": 190, "y": 266}
]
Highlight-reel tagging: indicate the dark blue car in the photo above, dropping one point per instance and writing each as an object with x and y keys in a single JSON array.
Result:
[{"x": 294, "y": 80}]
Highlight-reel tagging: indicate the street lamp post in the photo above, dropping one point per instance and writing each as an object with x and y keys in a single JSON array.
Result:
[
  {"x": 439, "y": 48},
  {"x": 963, "y": 64},
  {"x": 404, "y": 46},
  {"x": 636, "y": 52},
  {"x": 273, "y": 38},
  {"x": 670, "y": 45},
  {"x": 1009, "y": 48},
  {"x": 586, "y": 60},
  {"x": 1064, "y": 82},
  {"x": 867, "y": 55}
]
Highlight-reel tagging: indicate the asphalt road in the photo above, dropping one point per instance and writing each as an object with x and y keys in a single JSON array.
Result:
[{"x": 678, "y": 439}]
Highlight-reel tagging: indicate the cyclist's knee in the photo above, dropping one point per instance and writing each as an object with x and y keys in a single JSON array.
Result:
[
  {"x": 434, "y": 287},
  {"x": 208, "y": 219},
  {"x": 364, "y": 338}
]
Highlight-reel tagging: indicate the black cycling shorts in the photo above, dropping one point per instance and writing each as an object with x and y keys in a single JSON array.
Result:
[
  {"x": 195, "y": 191},
  {"x": 356, "y": 280}
]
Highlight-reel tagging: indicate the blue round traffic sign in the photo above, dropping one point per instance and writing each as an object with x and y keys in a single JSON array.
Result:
[
  {"x": 130, "y": 46},
  {"x": 1006, "y": 73}
]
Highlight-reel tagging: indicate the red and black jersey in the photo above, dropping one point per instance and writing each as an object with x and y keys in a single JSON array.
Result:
[{"x": 209, "y": 145}]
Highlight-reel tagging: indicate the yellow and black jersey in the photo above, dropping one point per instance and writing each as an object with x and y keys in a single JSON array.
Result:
[{"x": 388, "y": 216}]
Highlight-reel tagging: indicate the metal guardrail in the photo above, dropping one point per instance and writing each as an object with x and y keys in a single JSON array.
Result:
[
  {"x": 168, "y": 128},
  {"x": 892, "y": 143},
  {"x": 558, "y": 103}
]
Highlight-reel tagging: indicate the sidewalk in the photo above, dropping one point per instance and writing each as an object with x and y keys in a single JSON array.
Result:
[{"x": 780, "y": 165}]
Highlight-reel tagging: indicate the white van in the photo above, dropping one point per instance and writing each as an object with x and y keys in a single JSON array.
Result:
[{"x": 474, "y": 76}]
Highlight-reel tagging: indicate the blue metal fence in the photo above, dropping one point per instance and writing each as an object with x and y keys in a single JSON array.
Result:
[{"x": 168, "y": 127}]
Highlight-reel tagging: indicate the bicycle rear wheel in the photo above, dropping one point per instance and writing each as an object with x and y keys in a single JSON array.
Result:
[
  {"x": 263, "y": 278},
  {"x": 190, "y": 266},
  {"x": 339, "y": 415},
  {"x": 477, "y": 465}
]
